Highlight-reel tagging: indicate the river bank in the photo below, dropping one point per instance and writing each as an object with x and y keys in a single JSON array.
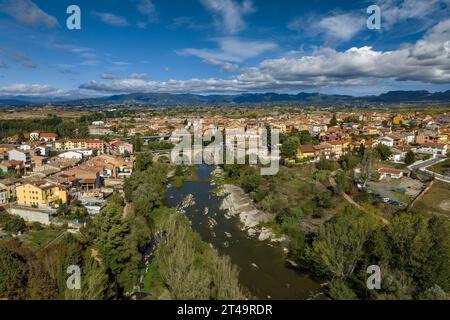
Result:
[
  {"x": 238, "y": 204},
  {"x": 262, "y": 264}
]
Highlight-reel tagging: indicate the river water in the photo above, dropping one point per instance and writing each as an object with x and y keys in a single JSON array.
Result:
[{"x": 262, "y": 265}]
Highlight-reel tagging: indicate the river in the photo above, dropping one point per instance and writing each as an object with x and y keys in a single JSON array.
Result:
[{"x": 262, "y": 265}]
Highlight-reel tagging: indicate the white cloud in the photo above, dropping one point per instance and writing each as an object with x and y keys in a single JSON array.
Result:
[
  {"x": 396, "y": 11},
  {"x": 231, "y": 49},
  {"x": 426, "y": 61},
  {"x": 111, "y": 19},
  {"x": 141, "y": 76},
  {"x": 29, "y": 90},
  {"x": 225, "y": 66},
  {"x": 19, "y": 57},
  {"x": 148, "y": 9},
  {"x": 342, "y": 26},
  {"x": 27, "y": 12},
  {"x": 229, "y": 14}
]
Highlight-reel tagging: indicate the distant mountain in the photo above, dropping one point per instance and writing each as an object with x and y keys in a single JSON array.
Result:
[
  {"x": 168, "y": 99},
  {"x": 13, "y": 102}
]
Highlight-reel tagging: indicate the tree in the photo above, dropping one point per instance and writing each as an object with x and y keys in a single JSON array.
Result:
[
  {"x": 383, "y": 151},
  {"x": 143, "y": 161},
  {"x": 333, "y": 121},
  {"x": 410, "y": 158},
  {"x": 434, "y": 293},
  {"x": 12, "y": 274},
  {"x": 94, "y": 282},
  {"x": 410, "y": 242},
  {"x": 137, "y": 143},
  {"x": 14, "y": 224},
  {"x": 340, "y": 291},
  {"x": 289, "y": 147},
  {"x": 339, "y": 245}
]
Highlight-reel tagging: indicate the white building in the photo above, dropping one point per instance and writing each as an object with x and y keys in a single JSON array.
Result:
[
  {"x": 20, "y": 155},
  {"x": 387, "y": 141},
  {"x": 390, "y": 173},
  {"x": 71, "y": 155},
  {"x": 433, "y": 149}
]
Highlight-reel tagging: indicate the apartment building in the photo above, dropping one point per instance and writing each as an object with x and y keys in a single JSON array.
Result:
[
  {"x": 79, "y": 144},
  {"x": 40, "y": 193}
]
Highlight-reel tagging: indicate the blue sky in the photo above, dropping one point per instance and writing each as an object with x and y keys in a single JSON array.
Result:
[{"x": 222, "y": 46}]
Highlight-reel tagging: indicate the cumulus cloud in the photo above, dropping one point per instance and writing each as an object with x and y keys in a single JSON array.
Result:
[
  {"x": 229, "y": 14},
  {"x": 231, "y": 49},
  {"x": 425, "y": 61},
  {"x": 30, "y": 90},
  {"x": 27, "y": 12},
  {"x": 111, "y": 19},
  {"x": 396, "y": 11},
  {"x": 224, "y": 66},
  {"x": 342, "y": 26}
]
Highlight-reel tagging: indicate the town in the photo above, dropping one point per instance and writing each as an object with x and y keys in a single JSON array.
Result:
[{"x": 55, "y": 182}]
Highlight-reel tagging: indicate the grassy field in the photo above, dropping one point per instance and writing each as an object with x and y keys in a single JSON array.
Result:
[
  {"x": 42, "y": 113},
  {"x": 441, "y": 168},
  {"x": 35, "y": 240},
  {"x": 436, "y": 200}
]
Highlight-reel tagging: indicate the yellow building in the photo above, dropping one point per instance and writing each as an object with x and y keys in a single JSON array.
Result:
[
  {"x": 40, "y": 194},
  {"x": 397, "y": 120}
]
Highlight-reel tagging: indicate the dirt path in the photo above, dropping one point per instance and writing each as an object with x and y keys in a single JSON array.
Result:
[{"x": 351, "y": 201}]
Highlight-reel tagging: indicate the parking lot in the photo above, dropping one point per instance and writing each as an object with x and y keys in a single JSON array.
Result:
[{"x": 398, "y": 192}]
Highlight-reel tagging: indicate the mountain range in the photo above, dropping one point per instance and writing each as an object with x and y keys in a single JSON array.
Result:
[{"x": 168, "y": 99}]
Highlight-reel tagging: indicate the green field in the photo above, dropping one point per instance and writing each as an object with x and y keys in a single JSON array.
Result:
[
  {"x": 436, "y": 200},
  {"x": 35, "y": 240},
  {"x": 441, "y": 168}
]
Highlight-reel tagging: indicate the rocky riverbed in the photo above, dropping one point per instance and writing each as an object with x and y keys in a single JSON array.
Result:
[{"x": 237, "y": 203}]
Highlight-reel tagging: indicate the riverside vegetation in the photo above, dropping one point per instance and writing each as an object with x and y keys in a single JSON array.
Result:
[{"x": 109, "y": 251}]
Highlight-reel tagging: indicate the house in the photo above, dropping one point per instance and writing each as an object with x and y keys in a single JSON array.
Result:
[
  {"x": 397, "y": 155},
  {"x": 423, "y": 138},
  {"x": 40, "y": 136},
  {"x": 12, "y": 166},
  {"x": 41, "y": 193},
  {"x": 387, "y": 141},
  {"x": 314, "y": 153},
  {"x": 42, "y": 150},
  {"x": 38, "y": 161},
  {"x": 120, "y": 147},
  {"x": 79, "y": 144},
  {"x": 389, "y": 173},
  {"x": 10, "y": 186},
  {"x": 433, "y": 149},
  {"x": 338, "y": 147},
  {"x": 88, "y": 177},
  {"x": 22, "y": 156},
  {"x": 71, "y": 155},
  {"x": 307, "y": 152},
  {"x": 3, "y": 195}
]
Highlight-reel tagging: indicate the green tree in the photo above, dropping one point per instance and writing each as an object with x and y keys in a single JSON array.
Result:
[
  {"x": 289, "y": 147},
  {"x": 339, "y": 245},
  {"x": 333, "y": 121},
  {"x": 383, "y": 151},
  {"x": 410, "y": 158},
  {"x": 143, "y": 161},
  {"x": 12, "y": 274},
  {"x": 340, "y": 291}
]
